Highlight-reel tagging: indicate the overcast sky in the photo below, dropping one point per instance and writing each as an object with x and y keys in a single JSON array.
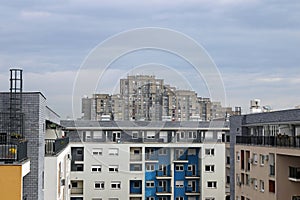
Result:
[{"x": 255, "y": 45}]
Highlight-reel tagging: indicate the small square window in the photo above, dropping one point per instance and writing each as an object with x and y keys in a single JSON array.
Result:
[
  {"x": 99, "y": 185},
  {"x": 210, "y": 152},
  {"x": 179, "y": 168},
  {"x": 212, "y": 184}
]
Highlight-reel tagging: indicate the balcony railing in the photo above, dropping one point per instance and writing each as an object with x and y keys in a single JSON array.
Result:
[
  {"x": 192, "y": 190},
  {"x": 54, "y": 146},
  {"x": 13, "y": 151},
  {"x": 294, "y": 173},
  {"x": 180, "y": 157},
  {"x": 163, "y": 190},
  {"x": 151, "y": 157},
  {"x": 192, "y": 174},
  {"x": 162, "y": 174},
  {"x": 277, "y": 141}
]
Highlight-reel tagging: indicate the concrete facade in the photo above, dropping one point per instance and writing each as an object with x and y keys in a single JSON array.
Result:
[
  {"x": 265, "y": 149},
  {"x": 34, "y": 108},
  {"x": 151, "y": 161}
]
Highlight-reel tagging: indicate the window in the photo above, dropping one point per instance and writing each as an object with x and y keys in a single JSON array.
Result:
[
  {"x": 191, "y": 152},
  {"x": 150, "y": 198},
  {"x": 262, "y": 159},
  {"x": 162, "y": 198},
  {"x": 136, "y": 184},
  {"x": 179, "y": 167},
  {"x": 136, "y": 152},
  {"x": 254, "y": 158},
  {"x": 211, "y": 184},
  {"x": 150, "y": 134},
  {"x": 97, "y": 134},
  {"x": 96, "y": 198},
  {"x": 113, "y": 198},
  {"x": 99, "y": 185},
  {"x": 79, "y": 151},
  {"x": 162, "y": 167},
  {"x": 192, "y": 134},
  {"x": 97, "y": 151},
  {"x": 182, "y": 135},
  {"x": 209, "y": 198},
  {"x": 113, "y": 168},
  {"x": 191, "y": 183},
  {"x": 162, "y": 151},
  {"x": 191, "y": 167},
  {"x": 96, "y": 168},
  {"x": 238, "y": 156},
  {"x": 179, "y": 198},
  {"x": 135, "y": 135},
  {"x": 262, "y": 185},
  {"x": 271, "y": 186},
  {"x": 74, "y": 184},
  {"x": 209, "y": 168},
  {"x": 150, "y": 167},
  {"x": 210, "y": 152},
  {"x": 179, "y": 184},
  {"x": 113, "y": 152},
  {"x": 115, "y": 185},
  {"x": 150, "y": 184}
]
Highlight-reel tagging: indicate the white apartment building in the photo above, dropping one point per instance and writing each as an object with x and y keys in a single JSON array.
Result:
[{"x": 113, "y": 160}]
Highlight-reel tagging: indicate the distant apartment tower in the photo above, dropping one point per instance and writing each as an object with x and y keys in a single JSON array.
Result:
[
  {"x": 265, "y": 155},
  {"x": 142, "y": 96},
  {"x": 187, "y": 107},
  {"x": 145, "y": 98}
]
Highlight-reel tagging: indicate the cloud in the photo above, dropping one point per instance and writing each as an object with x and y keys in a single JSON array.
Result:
[{"x": 254, "y": 43}]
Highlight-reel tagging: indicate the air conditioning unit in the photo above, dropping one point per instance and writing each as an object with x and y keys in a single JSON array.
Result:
[
  {"x": 251, "y": 160},
  {"x": 266, "y": 157}
]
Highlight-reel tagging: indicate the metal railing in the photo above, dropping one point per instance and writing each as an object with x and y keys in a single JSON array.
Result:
[
  {"x": 190, "y": 189},
  {"x": 166, "y": 173},
  {"x": 163, "y": 189},
  {"x": 54, "y": 146},
  {"x": 13, "y": 151},
  {"x": 192, "y": 173},
  {"x": 277, "y": 141}
]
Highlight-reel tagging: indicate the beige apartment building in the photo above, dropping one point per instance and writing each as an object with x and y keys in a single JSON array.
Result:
[{"x": 266, "y": 161}]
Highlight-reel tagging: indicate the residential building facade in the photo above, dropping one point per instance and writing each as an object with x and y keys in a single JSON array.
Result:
[
  {"x": 147, "y": 160},
  {"x": 265, "y": 161}
]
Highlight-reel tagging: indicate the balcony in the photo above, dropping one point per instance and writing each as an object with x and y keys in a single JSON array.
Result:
[
  {"x": 294, "y": 174},
  {"x": 151, "y": 157},
  {"x": 163, "y": 174},
  {"x": 181, "y": 158},
  {"x": 276, "y": 141},
  {"x": 162, "y": 191},
  {"x": 13, "y": 151},
  {"x": 192, "y": 174},
  {"x": 54, "y": 146},
  {"x": 76, "y": 187},
  {"x": 192, "y": 191}
]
